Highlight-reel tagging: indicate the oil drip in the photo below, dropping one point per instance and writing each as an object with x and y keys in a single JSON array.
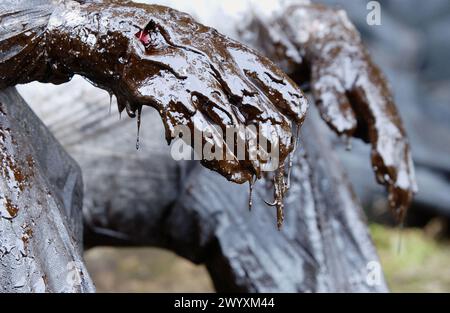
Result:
[
  {"x": 139, "y": 111},
  {"x": 251, "y": 184},
  {"x": 110, "y": 102},
  {"x": 279, "y": 187}
]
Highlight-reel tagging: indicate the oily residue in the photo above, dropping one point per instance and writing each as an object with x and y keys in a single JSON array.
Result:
[
  {"x": 320, "y": 45},
  {"x": 30, "y": 162},
  {"x": 11, "y": 208},
  {"x": 14, "y": 173},
  {"x": 155, "y": 56},
  {"x": 19, "y": 176},
  {"x": 26, "y": 235},
  {"x": 139, "y": 116}
]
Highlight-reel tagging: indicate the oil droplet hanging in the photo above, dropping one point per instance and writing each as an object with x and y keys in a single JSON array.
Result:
[
  {"x": 348, "y": 143},
  {"x": 400, "y": 237},
  {"x": 139, "y": 112},
  {"x": 251, "y": 185},
  {"x": 280, "y": 189},
  {"x": 110, "y": 102}
]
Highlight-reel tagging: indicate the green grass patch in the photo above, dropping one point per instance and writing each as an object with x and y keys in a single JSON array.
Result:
[{"x": 412, "y": 261}]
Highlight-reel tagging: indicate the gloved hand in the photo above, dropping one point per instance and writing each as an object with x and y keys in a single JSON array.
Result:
[{"x": 319, "y": 45}]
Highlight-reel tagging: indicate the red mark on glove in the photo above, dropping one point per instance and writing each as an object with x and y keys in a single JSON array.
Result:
[{"x": 143, "y": 36}]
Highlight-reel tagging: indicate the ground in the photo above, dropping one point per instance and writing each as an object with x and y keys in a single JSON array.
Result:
[
  {"x": 413, "y": 261},
  {"x": 420, "y": 264},
  {"x": 145, "y": 270}
]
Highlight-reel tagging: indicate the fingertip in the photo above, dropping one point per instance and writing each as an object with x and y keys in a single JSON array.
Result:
[
  {"x": 336, "y": 111},
  {"x": 399, "y": 201}
]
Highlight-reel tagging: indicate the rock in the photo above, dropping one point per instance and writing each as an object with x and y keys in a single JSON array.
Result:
[{"x": 40, "y": 204}]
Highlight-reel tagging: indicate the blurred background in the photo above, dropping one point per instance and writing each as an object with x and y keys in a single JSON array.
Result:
[{"x": 412, "y": 46}]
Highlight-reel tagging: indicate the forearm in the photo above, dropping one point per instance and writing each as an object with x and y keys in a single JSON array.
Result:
[
  {"x": 317, "y": 43},
  {"x": 90, "y": 39},
  {"x": 73, "y": 38},
  {"x": 320, "y": 30},
  {"x": 298, "y": 33},
  {"x": 22, "y": 44}
]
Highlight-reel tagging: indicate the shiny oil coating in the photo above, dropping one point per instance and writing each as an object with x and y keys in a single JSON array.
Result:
[
  {"x": 153, "y": 55},
  {"x": 317, "y": 44}
]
